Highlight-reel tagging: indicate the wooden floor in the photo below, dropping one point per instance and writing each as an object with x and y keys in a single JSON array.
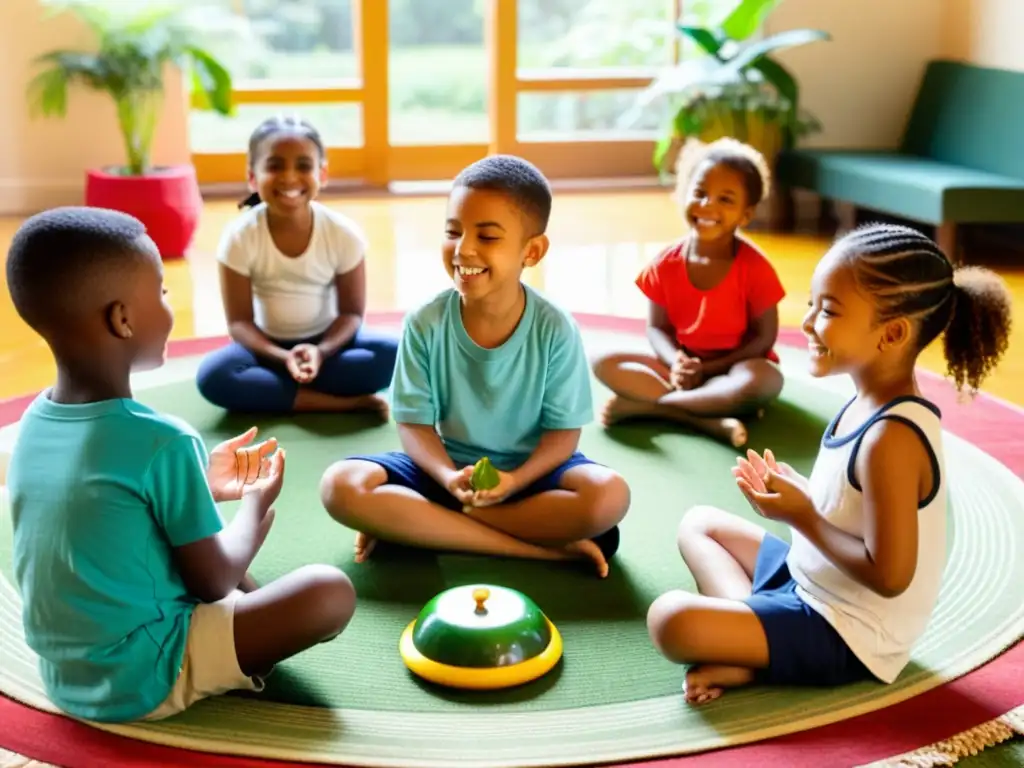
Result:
[{"x": 599, "y": 242}]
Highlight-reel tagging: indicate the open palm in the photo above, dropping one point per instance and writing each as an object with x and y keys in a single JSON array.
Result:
[{"x": 238, "y": 462}]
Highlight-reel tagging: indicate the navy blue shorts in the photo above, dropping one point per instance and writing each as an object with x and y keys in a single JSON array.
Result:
[
  {"x": 405, "y": 472},
  {"x": 803, "y": 648}
]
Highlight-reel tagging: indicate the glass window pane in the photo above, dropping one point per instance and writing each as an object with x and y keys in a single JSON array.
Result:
[
  {"x": 268, "y": 40},
  {"x": 340, "y": 125},
  {"x": 437, "y": 72},
  {"x": 556, "y": 114},
  {"x": 595, "y": 33}
]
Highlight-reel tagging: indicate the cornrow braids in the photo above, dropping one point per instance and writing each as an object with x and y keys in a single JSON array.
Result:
[{"x": 907, "y": 275}]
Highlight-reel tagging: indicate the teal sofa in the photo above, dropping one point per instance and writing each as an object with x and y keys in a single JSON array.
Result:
[{"x": 960, "y": 160}]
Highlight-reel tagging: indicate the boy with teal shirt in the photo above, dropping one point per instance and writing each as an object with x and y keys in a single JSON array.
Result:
[
  {"x": 135, "y": 594},
  {"x": 488, "y": 368}
]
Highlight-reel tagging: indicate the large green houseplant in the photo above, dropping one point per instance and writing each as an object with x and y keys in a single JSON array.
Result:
[
  {"x": 735, "y": 88},
  {"x": 134, "y": 50}
]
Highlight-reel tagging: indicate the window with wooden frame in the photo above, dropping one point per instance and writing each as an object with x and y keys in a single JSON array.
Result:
[{"x": 414, "y": 90}]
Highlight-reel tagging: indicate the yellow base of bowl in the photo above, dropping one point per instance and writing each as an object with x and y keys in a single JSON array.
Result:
[{"x": 480, "y": 678}]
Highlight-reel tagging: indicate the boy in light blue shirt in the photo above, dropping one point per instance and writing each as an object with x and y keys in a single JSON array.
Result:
[
  {"x": 488, "y": 368},
  {"x": 135, "y": 593}
]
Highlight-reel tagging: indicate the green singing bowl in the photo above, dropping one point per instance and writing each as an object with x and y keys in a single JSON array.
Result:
[{"x": 481, "y": 636}]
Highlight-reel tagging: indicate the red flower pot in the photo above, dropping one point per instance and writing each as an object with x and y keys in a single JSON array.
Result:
[{"x": 166, "y": 200}]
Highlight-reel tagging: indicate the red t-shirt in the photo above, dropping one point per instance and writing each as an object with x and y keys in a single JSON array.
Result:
[{"x": 714, "y": 322}]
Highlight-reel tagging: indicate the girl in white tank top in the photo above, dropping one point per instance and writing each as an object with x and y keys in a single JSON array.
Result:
[{"x": 851, "y": 594}]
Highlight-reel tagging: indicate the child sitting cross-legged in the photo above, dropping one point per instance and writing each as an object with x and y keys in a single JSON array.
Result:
[
  {"x": 488, "y": 368},
  {"x": 852, "y": 594},
  {"x": 713, "y": 318},
  {"x": 136, "y": 594},
  {"x": 293, "y": 285}
]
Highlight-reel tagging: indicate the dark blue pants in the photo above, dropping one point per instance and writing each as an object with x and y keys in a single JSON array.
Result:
[{"x": 235, "y": 379}]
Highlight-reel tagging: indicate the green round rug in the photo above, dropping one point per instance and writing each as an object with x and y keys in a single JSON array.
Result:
[{"x": 612, "y": 697}]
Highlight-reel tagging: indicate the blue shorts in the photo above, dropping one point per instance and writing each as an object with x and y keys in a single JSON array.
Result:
[
  {"x": 405, "y": 472},
  {"x": 803, "y": 648}
]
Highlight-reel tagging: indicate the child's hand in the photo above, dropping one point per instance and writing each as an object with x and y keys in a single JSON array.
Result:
[
  {"x": 687, "y": 372},
  {"x": 755, "y": 467},
  {"x": 775, "y": 496},
  {"x": 236, "y": 463},
  {"x": 304, "y": 362},
  {"x": 267, "y": 488},
  {"x": 507, "y": 485},
  {"x": 459, "y": 485}
]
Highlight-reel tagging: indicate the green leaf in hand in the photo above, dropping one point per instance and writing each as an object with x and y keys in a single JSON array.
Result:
[{"x": 485, "y": 476}]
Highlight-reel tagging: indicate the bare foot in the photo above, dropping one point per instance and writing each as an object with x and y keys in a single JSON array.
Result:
[
  {"x": 707, "y": 682},
  {"x": 618, "y": 408},
  {"x": 311, "y": 401},
  {"x": 736, "y": 432},
  {"x": 372, "y": 403},
  {"x": 586, "y": 549},
  {"x": 728, "y": 429},
  {"x": 364, "y": 546}
]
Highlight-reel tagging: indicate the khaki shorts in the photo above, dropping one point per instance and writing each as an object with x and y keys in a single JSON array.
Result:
[{"x": 210, "y": 667}]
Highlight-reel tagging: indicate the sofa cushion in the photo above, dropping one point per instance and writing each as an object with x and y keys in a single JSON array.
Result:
[
  {"x": 912, "y": 187},
  {"x": 969, "y": 116}
]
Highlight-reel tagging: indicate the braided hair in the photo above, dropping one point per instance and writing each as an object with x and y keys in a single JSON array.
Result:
[
  {"x": 272, "y": 127},
  {"x": 907, "y": 275}
]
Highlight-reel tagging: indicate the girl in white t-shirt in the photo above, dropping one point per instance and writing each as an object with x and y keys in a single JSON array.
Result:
[
  {"x": 293, "y": 282},
  {"x": 849, "y": 598}
]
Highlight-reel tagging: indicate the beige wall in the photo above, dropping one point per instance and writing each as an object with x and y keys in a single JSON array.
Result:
[
  {"x": 985, "y": 32},
  {"x": 860, "y": 84},
  {"x": 43, "y": 161}
]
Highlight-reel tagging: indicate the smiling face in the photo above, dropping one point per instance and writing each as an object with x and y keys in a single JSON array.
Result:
[
  {"x": 148, "y": 313},
  {"x": 717, "y": 203},
  {"x": 487, "y": 243},
  {"x": 287, "y": 171},
  {"x": 841, "y": 324}
]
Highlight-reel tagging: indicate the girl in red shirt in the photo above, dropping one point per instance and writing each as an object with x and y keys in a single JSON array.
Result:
[{"x": 713, "y": 318}]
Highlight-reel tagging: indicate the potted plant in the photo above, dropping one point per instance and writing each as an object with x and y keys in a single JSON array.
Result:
[
  {"x": 129, "y": 66},
  {"x": 735, "y": 89}
]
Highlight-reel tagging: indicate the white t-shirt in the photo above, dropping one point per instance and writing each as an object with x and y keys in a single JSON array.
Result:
[
  {"x": 881, "y": 631},
  {"x": 293, "y": 298}
]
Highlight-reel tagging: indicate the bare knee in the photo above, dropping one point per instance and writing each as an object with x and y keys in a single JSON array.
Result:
[
  {"x": 604, "y": 499},
  {"x": 331, "y": 597},
  {"x": 345, "y": 486},
  {"x": 762, "y": 381},
  {"x": 672, "y": 619},
  {"x": 604, "y": 366},
  {"x": 701, "y": 520}
]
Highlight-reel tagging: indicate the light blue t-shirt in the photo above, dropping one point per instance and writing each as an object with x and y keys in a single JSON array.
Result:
[
  {"x": 100, "y": 493},
  {"x": 491, "y": 402}
]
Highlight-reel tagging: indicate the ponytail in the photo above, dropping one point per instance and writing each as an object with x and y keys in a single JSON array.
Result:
[
  {"x": 250, "y": 202},
  {"x": 908, "y": 275},
  {"x": 979, "y": 327}
]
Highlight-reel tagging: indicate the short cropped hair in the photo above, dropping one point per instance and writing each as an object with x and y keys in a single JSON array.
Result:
[
  {"x": 516, "y": 178},
  {"x": 59, "y": 258}
]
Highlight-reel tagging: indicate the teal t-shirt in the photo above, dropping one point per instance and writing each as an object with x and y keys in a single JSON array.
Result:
[
  {"x": 492, "y": 402},
  {"x": 100, "y": 493}
]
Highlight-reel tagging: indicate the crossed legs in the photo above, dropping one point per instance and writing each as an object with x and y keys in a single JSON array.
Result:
[
  {"x": 642, "y": 388},
  {"x": 714, "y": 630},
  {"x": 553, "y": 525}
]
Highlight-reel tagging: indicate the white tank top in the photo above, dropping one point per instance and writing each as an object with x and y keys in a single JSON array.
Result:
[{"x": 881, "y": 631}]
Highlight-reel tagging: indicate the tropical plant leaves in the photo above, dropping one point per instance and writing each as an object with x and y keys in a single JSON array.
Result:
[
  {"x": 747, "y": 18},
  {"x": 737, "y": 88},
  {"x": 129, "y": 63},
  {"x": 703, "y": 37}
]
